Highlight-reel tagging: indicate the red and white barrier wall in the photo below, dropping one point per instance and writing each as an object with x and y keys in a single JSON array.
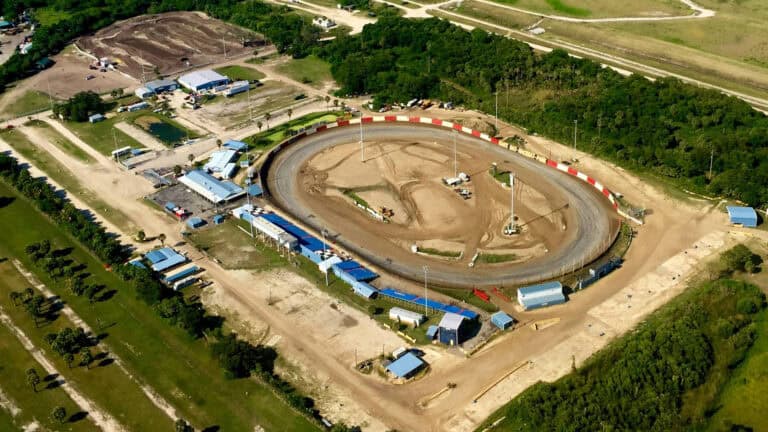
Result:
[{"x": 455, "y": 126}]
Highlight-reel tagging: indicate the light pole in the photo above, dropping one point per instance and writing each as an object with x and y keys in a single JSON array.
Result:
[
  {"x": 324, "y": 255},
  {"x": 496, "y": 120},
  {"x": 426, "y": 270},
  {"x": 512, "y": 203},
  {"x": 248, "y": 194}
]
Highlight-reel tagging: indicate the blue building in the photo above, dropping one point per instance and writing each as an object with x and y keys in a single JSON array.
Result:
[
  {"x": 449, "y": 329},
  {"x": 235, "y": 145},
  {"x": 162, "y": 85},
  {"x": 164, "y": 258},
  {"x": 406, "y": 366},
  {"x": 744, "y": 216},
  {"x": 210, "y": 187},
  {"x": 502, "y": 320},
  {"x": 203, "y": 80},
  {"x": 541, "y": 295}
]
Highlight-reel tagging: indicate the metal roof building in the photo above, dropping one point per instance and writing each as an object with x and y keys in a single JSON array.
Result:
[
  {"x": 210, "y": 187},
  {"x": 449, "y": 329},
  {"x": 235, "y": 145},
  {"x": 406, "y": 366},
  {"x": 744, "y": 216},
  {"x": 143, "y": 93},
  {"x": 541, "y": 295},
  {"x": 195, "y": 222},
  {"x": 406, "y": 317},
  {"x": 202, "y": 80},
  {"x": 164, "y": 258},
  {"x": 161, "y": 85},
  {"x": 502, "y": 320},
  {"x": 219, "y": 160}
]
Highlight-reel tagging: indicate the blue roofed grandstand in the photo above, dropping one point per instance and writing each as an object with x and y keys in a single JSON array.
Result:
[{"x": 431, "y": 304}]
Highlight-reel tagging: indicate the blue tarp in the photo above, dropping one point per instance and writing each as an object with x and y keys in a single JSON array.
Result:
[
  {"x": 406, "y": 365},
  {"x": 410, "y": 298},
  {"x": 137, "y": 263},
  {"x": 195, "y": 222},
  {"x": 235, "y": 145}
]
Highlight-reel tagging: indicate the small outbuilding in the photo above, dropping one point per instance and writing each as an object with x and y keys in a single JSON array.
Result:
[
  {"x": 744, "y": 216},
  {"x": 235, "y": 145},
  {"x": 161, "y": 86},
  {"x": 541, "y": 295},
  {"x": 218, "y": 219},
  {"x": 502, "y": 320},
  {"x": 413, "y": 319},
  {"x": 432, "y": 332},
  {"x": 449, "y": 329},
  {"x": 406, "y": 366},
  {"x": 143, "y": 93},
  {"x": 164, "y": 258},
  {"x": 95, "y": 118},
  {"x": 195, "y": 222}
]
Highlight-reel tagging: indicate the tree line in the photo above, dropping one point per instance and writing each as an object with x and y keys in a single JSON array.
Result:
[
  {"x": 652, "y": 379},
  {"x": 665, "y": 127},
  {"x": 238, "y": 358}
]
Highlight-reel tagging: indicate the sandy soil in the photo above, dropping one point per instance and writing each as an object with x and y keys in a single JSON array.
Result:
[
  {"x": 407, "y": 177},
  {"x": 672, "y": 228},
  {"x": 67, "y": 78},
  {"x": 160, "y": 42}
]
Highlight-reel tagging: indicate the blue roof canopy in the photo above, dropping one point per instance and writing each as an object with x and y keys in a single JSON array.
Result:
[
  {"x": 406, "y": 365},
  {"x": 235, "y": 145}
]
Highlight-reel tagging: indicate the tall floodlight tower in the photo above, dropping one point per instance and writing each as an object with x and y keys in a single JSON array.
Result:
[
  {"x": 248, "y": 194},
  {"x": 325, "y": 255}
]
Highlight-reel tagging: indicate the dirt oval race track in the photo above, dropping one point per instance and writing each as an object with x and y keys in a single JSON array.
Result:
[{"x": 593, "y": 224}]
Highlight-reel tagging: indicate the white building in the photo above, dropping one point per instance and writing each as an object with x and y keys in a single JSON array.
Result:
[{"x": 324, "y": 23}]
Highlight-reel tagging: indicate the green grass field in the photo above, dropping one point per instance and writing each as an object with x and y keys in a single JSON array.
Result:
[
  {"x": 267, "y": 139},
  {"x": 179, "y": 368},
  {"x": 32, "y": 101},
  {"x": 100, "y": 135},
  {"x": 60, "y": 141},
  {"x": 109, "y": 386},
  {"x": 495, "y": 258},
  {"x": 234, "y": 248},
  {"x": 54, "y": 169},
  {"x": 49, "y": 16},
  {"x": 238, "y": 73},
  {"x": 33, "y": 406},
  {"x": 309, "y": 70},
  {"x": 600, "y": 8},
  {"x": 442, "y": 253}
]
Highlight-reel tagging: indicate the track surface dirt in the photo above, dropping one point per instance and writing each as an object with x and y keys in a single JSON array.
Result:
[{"x": 592, "y": 224}]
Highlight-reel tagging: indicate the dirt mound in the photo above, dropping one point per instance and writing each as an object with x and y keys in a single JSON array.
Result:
[
  {"x": 477, "y": 124},
  {"x": 168, "y": 43}
]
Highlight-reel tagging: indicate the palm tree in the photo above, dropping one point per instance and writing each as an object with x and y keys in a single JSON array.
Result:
[
  {"x": 28, "y": 293},
  {"x": 161, "y": 237},
  {"x": 86, "y": 357},
  {"x": 69, "y": 358},
  {"x": 141, "y": 235},
  {"x": 15, "y": 297},
  {"x": 218, "y": 143},
  {"x": 259, "y": 124},
  {"x": 33, "y": 379},
  {"x": 191, "y": 158},
  {"x": 327, "y": 99},
  {"x": 290, "y": 113},
  {"x": 59, "y": 414},
  {"x": 335, "y": 103},
  {"x": 267, "y": 116}
]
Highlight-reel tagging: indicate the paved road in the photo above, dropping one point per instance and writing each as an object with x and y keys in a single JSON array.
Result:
[{"x": 595, "y": 227}]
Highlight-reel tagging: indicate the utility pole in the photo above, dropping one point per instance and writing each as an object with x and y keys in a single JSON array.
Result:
[
  {"x": 50, "y": 98},
  {"x": 575, "y": 129},
  {"x": 224, "y": 46},
  {"x": 362, "y": 146},
  {"x": 324, "y": 256},
  {"x": 512, "y": 203},
  {"x": 496, "y": 120},
  {"x": 250, "y": 108},
  {"x": 455, "y": 163},
  {"x": 426, "y": 270},
  {"x": 114, "y": 142}
]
